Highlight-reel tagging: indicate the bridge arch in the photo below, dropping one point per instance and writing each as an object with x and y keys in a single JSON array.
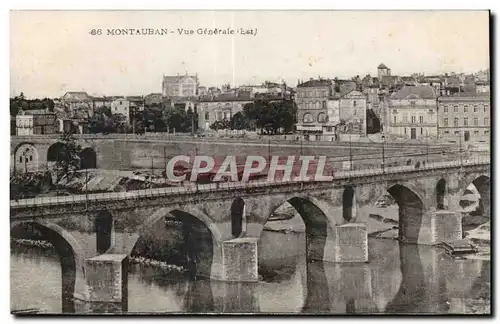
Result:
[
  {"x": 88, "y": 158},
  {"x": 411, "y": 212},
  {"x": 349, "y": 211},
  {"x": 26, "y": 158},
  {"x": 440, "y": 194},
  {"x": 70, "y": 253},
  {"x": 238, "y": 217},
  {"x": 482, "y": 183},
  {"x": 307, "y": 215},
  {"x": 103, "y": 229},
  {"x": 192, "y": 240}
]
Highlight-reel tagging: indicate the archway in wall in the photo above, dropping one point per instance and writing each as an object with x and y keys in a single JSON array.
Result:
[
  {"x": 66, "y": 253},
  {"x": 238, "y": 217},
  {"x": 56, "y": 152},
  {"x": 26, "y": 158},
  {"x": 88, "y": 159},
  {"x": 440, "y": 194},
  {"x": 103, "y": 230},
  {"x": 178, "y": 238}
]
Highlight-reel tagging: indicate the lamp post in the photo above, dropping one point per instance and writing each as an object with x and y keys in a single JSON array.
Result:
[
  {"x": 383, "y": 153},
  {"x": 427, "y": 146},
  {"x": 350, "y": 153},
  {"x": 460, "y": 146}
]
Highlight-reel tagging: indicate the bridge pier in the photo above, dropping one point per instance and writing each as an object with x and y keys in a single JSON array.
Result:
[
  {"x": 106, "y": 277},
  {"x": 446, "y": 225},
  {"x": 348, "y": 243},
  {"x": 238, "y": 261}
]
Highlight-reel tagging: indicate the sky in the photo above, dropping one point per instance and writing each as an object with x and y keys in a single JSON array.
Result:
[{"x": 52, "y": 52}]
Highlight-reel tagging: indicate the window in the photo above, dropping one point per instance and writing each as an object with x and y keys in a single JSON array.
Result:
[
  {"x": 456, "y": 132},
  {"x": 20, "y": 159},
  {"x": 475, "y": 108},
  {"x": 445, "y": 109},
  {"x": 308, "y": 118},
  {"x": 446, "y": 132},
  {"x": 31, "y": 158},
  {"x": 405, "y": 130},
  {"x": 486, "y": 121},
  {"x": 413, "y": 119},
  {"x": 354, "y": 103},
  {"x": 466, "y": 108},
  {"x": 405, "y": 119},
  {"x": 207, "y": 115},
  {"x": 476, "y": 121},
  {"x": 120, "y": 102},
  {"x": 421, "y": 131},
  {"x": 455, "y": 108},
  {"x": 445, "y": 121},
  {"x": 226, "y": 115},
  {"x": 412, "y": 103},
  {"x": 324, "y": 104},
  {"x": 321, "y": 118},
  {"x": 485, "y": 107},
  {"x": 455, "y": 122},
  {"x": 476, "y": 132},
  {"x": 395, "y": 120},
  {"x": 466, "y": 121},
  {"x": 486, "y": 132},
  {"x": 421, "y": 119}
]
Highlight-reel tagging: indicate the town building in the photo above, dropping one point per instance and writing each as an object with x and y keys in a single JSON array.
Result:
[
  {"x": 412, "y": 113},
  {"x": 383, "y": 70},
  {"x": 136, "y": 103},
  {"x": 99, "y": 102},
  {"x": 352, "y": 108},
  {"x": 482, "y": 86},
  {"x": 224, "y": 106},
  {"x": 36, "y": 122},
  {"x": 74, "y": 100},
  {"x": 153, "y": 99},
  {"x": 180, "y": 86},
  {"x": 121, "y": 106},
  {"x": 464, "y": 117},
  {"x": 311, "y": 99}
]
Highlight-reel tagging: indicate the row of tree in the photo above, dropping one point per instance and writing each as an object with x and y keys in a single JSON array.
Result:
[
  {"x": 154, "y": 119},
  {"x": 20, "y": 102},
  {"x": 272, "y": 117}
]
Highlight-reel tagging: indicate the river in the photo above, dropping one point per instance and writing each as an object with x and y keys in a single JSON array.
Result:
[{"x": 398, "y": 279}]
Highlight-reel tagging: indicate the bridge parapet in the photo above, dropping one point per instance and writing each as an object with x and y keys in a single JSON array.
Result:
[{"x": 252, "y": 186}]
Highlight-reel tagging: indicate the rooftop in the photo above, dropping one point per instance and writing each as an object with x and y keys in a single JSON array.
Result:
[
  {"x": 315, "y": 83},
  {"x": 382, "y": 66},
  {"x": 415, "y": 92}
]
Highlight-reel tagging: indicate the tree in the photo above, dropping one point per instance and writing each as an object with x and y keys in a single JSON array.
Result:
[
  {"x": 221, "y": 124},
  {"x": 68, "y": 161},
  {"x": 239, "y": 121}
]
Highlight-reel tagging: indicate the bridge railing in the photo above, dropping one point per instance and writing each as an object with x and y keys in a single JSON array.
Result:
[{"x": 213, "y": 187}]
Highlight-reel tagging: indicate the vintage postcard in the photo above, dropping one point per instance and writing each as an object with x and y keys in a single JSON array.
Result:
[{"x": 250, "y": 162}]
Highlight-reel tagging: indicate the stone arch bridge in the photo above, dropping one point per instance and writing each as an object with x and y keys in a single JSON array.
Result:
[{"x": 96, "y": 232}]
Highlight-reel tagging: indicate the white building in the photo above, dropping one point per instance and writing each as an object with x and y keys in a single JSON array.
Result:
[{"x": 121, "y": 106}]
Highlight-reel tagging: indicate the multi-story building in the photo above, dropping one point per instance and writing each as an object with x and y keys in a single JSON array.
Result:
[
  {"x": 353, "y": 109},
  {"x": 36, "y": 122},
  {"x": 383, "y": 71},
  {"x": 311, "y": 99},
  {"x": 180, "y": 86},
  {"x": 121, "y": 106},
  {"x": 464, "y": 117},
  {"x": 412, "y": 113},
  {"x": 223, "y": 106},
  {"x": 153, "y": 99},
  {"x": 482, "y": 86},
  {"x": 76, "y": 100}
]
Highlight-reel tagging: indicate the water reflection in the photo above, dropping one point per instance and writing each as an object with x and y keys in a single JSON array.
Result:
[{"x": 397, "y": 279}]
